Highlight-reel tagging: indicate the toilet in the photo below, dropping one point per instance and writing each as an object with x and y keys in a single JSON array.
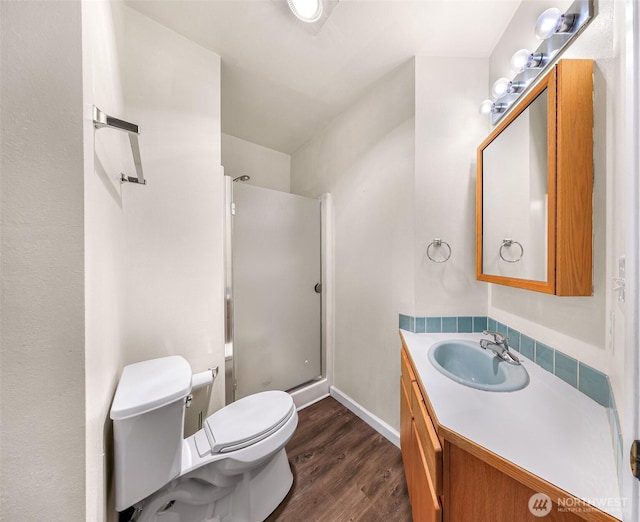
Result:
[{"x": 234, "y": 469}]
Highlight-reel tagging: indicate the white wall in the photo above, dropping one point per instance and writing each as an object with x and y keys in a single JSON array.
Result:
[
  {"x": 268, "y": 168},
  {"x": 105, "y": 229},
  {"x": 615, "y": 115},
  {"x": 174, "y": 301},
  {"x": 448, "y": 130},
  {"x": 153, "y": 253},
  {"x": 579, "y": 326},
  {"x": 366, "y": 160},
  {"x": 42, "y": 442}
]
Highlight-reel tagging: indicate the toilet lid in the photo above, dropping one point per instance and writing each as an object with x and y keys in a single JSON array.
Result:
[{"x": 248, "y": 420}]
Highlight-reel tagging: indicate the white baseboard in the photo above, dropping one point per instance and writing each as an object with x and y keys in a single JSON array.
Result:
[
  {"x": 376, "y": 423},
  {"x": 310, "y": 394}
]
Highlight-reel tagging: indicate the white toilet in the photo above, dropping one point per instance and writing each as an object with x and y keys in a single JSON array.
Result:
[{"x": 234, "y": 469}]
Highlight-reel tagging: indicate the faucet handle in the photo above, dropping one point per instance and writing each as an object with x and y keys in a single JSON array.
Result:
[{"x": 498, "y": 338}]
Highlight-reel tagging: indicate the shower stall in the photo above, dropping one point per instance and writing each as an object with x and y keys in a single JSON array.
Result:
[{"x": 273, "y": 290}]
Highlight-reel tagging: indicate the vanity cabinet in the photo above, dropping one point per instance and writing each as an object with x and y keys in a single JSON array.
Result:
[
  {"x": 421, "y": 450},
  {"x": 452, "y": 479}
]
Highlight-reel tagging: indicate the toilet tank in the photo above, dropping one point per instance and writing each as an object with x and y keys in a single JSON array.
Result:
[{"x": 148, "y": 418}]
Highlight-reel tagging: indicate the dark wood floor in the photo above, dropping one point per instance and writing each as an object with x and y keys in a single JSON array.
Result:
[{"x": 343, "y": 471}]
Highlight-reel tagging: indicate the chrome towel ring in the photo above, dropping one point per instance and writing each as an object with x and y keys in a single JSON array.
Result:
[
  {"x": 508, "y": 243},
  {"x": 437, "y": 243}
]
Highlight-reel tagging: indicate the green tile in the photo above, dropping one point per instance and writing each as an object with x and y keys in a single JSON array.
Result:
[
  {"x": 465, "y": 324},
  {"x": 612, "y": 427},
  {"x": 527, "y": 346},
  {"x": 616, "y": 423},
  {"x": 491, "y": 324},
  {"x": 621, "y": 465},
  {"x": 593, "y": 383},
  {"x": 421, "y": 324},
  {"x": 544, "y": 356},
  {"x": 514, "y": 339},
  {"x": 450, "y": 324},
  {"x": 502, "y": 328},
  {"x": 434, "y": 324},
  {"x": 479, "y": 324},
  {"x": 567, "y": 369},
  {"x": 406, "y": 322}
]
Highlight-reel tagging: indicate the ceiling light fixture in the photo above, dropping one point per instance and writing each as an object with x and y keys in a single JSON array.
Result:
[{"x": 306, "y": 10}]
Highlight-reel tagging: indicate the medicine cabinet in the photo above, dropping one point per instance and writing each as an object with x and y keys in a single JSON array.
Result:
[{"x": 535, "y": 186}]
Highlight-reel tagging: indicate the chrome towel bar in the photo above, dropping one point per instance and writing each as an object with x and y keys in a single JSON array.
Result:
[{"x": 102, "y": 120}]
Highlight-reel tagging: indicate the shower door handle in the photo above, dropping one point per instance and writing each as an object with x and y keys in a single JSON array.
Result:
[{"x": 318, "y": 288}]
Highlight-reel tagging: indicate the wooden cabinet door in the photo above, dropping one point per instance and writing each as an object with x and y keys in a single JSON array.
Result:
[
  {"x": 425, "y": 505},
  {"x": 478, "y": 491},
  {"x": 428, "y": 438},
  {"x": 406, "y": 445}
]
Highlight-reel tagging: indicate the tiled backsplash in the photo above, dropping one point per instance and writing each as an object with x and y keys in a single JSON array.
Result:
[
  {"x": 586, "y": 379},
  {"x": 443, "y": 324}
]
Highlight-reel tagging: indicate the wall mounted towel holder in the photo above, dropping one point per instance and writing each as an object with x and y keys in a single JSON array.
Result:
[
  {"x": 436, "y": 244},
  {"x": 102, "y": 120},
  {"x": 507, "y": 243}
]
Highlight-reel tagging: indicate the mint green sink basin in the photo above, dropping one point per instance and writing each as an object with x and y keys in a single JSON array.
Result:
[{"x": 465, "y": 362}]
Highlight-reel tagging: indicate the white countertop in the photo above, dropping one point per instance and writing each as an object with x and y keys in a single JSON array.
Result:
[{"x": 548, "y": 428}]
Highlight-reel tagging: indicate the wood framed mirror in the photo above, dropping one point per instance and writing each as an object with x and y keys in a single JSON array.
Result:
[{"x": 534, "y": 188}]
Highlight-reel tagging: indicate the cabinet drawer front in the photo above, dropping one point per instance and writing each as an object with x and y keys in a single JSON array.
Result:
[
  {"x": 424, "y": 502},
  {"x": 407, "y": 371},
  {"x": 406, "y": 443},
  {"x": 428, "y": 438}
]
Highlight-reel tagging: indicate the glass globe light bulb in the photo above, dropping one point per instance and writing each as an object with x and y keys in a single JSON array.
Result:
[
  {"x": 486, "y": 106},
  {"x": 500, "y": 87},
  {"x": 547, "y": 23},
  {"x": 519, "y": 60}
]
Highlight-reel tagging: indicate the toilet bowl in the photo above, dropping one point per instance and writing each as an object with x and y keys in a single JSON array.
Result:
[{"x": 234, "y": 469}]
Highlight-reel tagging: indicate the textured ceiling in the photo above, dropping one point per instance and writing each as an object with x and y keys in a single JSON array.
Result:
[{"x": 284, "y": 80}]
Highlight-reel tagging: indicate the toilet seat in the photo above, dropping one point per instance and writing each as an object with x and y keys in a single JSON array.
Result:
[{"x": 245, "y": 422}]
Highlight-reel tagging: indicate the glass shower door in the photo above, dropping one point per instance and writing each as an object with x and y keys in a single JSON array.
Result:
[{"x": 276, "y": 310}]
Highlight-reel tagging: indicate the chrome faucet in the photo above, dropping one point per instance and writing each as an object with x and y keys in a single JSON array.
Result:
[{"x": 499, "y": 346}]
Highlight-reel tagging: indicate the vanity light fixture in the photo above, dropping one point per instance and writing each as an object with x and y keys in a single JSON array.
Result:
[
  {"x": 489, "y": 107},
  {"x": 519, "y": 60},
  {"x": 514, "y": 87},
  {"x": 306, "y": 10},
  {"x": 500, "y": 87},
  {"x": 557, "y": 30},
  {"x": 486, "y": 106},
  {"x": 535, "y": 60},
  {"x": 552, "y": 21}
]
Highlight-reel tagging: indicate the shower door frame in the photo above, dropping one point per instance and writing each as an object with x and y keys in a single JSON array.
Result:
[{"x": 229, "y": 210}]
